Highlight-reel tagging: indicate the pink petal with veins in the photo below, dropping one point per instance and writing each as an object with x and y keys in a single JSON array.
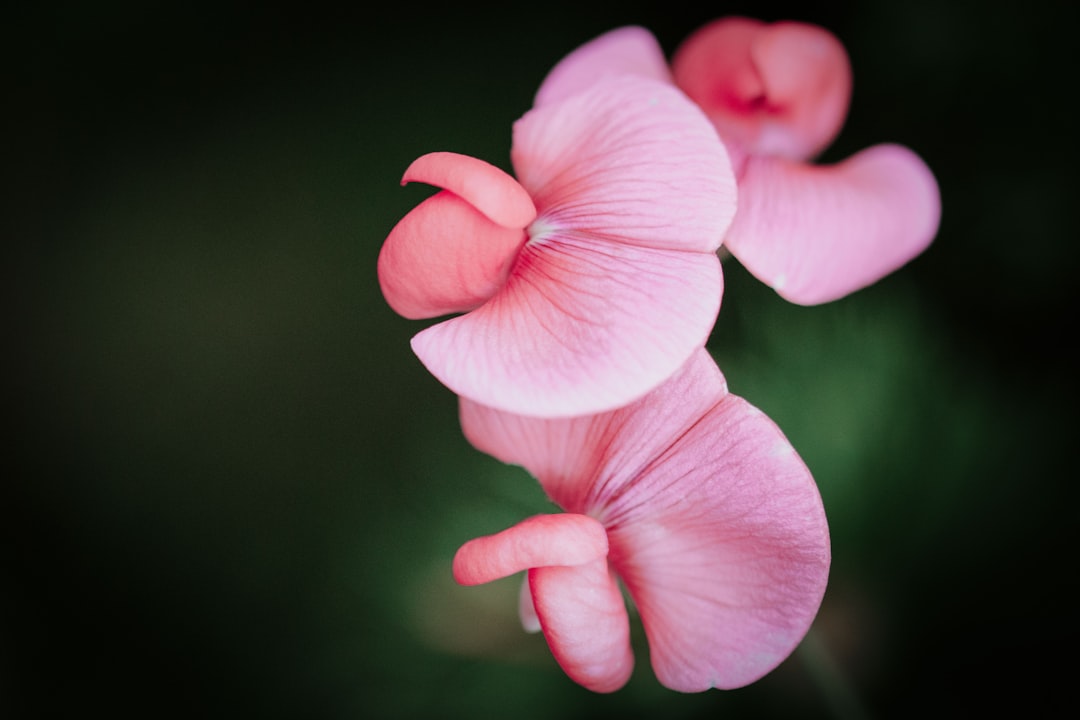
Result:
[
  {"x": 563, "y": 539},
  {"x": 579, "y": 327},
  {"x": 628, "y": 50},
  {"x": 631, "y": 161},
  {"x": 583, "y": 616},
  {"x": 445, "y": 257},
  {"x": 619, "y": 282},
  {"x": 725, "y": 532},
  {"x": 774, "y": 89},
  {"x": 817, "y": 233}
]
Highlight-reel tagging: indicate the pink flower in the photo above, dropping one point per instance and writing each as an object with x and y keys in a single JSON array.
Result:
[
  {"x": 695, "y": 500},
  {"x": 588, "y": 280},
  {"x": 778, "y": 95}
]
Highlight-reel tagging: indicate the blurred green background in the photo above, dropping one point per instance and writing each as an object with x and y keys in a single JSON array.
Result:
[{"x": 233, "y": 490}]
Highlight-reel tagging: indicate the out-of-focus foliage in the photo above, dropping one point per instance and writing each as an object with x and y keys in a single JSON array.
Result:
[{"x": 234, "y": 491}]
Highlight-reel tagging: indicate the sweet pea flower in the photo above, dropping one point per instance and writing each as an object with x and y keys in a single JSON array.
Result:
[
  {"x": 778, "y": 95},
  {"x": 586, "y": 281},
  {"x": 694, "y": 500}
]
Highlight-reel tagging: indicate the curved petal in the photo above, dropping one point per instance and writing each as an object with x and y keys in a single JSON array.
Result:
[
  {"x": 585, "y": 462},
  {"x": 818, "y": 233},
  {"x": 445, "y": 257},
  {"x": 562, "y": 539},
  {"x": 774, "y": 89},
  {"x": 630, "y": 50},
  {"x": 487, "y": 188},
  {"x": 724, "y": 547},
  {"x": 807, "y": 74},
  {"x": 713, "y": 66},
  {"x": 583, "y": 616},
  {"x": 580, "y": 327},
  {"x": 630, "y": 161}
]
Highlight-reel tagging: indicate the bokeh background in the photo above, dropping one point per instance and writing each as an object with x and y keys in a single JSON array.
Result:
[{"x": 234, "y": 492}]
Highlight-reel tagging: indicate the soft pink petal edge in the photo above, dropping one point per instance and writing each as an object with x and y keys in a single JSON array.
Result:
[
  {"x": 816, "y": 233},
  {"x": 630, "y": 50}
]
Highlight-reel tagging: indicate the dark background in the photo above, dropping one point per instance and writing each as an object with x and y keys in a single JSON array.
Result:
[{"x": 234, "y": 492}]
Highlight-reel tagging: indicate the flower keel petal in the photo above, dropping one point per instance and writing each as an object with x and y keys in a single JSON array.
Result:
[
  {"x": 445, "y": 257},
  {"x": 487, "y": 188},
  {"x": 562, "y": 539},
  {"x": 584, "y": 619}
]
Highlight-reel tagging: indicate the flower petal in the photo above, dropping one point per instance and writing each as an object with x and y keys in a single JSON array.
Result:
[
  {"x": 630, "y": 161},
  {"x": 807, "y": 72},
  {"x": 580, "y": 327},
  {"x": 774, "y": 89},
  {"x": 628, "y": 50},
  {"x": 818, "y": 233},
  {"x": 724, "y": 547},
  {"x": 562, "y": 539},
  {"x": 487, "y": 188},
  {"x": 583, "y": 616},
  {"x": 445, "y": 257}
]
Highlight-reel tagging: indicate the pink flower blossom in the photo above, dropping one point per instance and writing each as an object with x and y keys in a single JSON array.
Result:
[
  {"x": 778, "y": 95},
  {"x": 692, "y": 498},
  {"x": 588, "y": 280}
]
